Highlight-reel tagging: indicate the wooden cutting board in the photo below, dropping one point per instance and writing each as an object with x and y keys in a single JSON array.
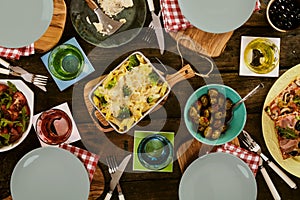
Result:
[
  {"x": 96, "y": 188},
  {"x": 55, "y": 30},
  {"x": 210, "y": 44},
  {"x": 184, "y": 73},
  {"x": 189, "y": 151}
]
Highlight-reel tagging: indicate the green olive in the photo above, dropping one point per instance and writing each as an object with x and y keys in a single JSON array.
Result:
[
  {"x": 214, "y": 100},
  {"x": 206, "y": 113},
  {"x": 213, "y": 92},
  {"x": 208, "y": 132},
  {"x": 203, "y": 121},
  {"x": 216, "y": 134},
  {"x": 219, "y": 115},
  {"x": 204, "y": 99},
  {"x": 217, "y": 123}
]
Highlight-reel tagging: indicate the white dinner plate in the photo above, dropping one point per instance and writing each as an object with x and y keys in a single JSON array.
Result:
[
  {"x": 49, "y": 173},
  {"x": 292, "y": 165},
  {"x": 218, "y": 176},
  {"x": 217, "y": 16},
  {"x": 24, "y": 22}
]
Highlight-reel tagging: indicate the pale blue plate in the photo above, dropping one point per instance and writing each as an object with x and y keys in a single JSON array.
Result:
[
  {"x": 24, "y": 22},
  {"x": 217, "y": 16},
  {"x": 218, "y": 176},
  {"x": 236, "y": 125},
  {"x": 49, "y": 173}
]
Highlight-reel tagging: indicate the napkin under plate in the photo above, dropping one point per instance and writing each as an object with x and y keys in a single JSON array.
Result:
[
  {"x": 250, "y": 158},
  {"x": 16, "y": 53}
]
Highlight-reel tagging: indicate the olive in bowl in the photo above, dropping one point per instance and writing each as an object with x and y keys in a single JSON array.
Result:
[
  {"x": 283, "y": 15},
  {"x": 207, "y": 111}
]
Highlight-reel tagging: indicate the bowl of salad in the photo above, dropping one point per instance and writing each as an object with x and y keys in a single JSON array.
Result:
[{"x": 16, "y": 113}]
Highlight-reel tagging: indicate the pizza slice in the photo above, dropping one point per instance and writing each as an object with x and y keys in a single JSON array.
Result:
[
  {"x": 286, "y": 102},
  {"x": 288, "y": 134}
]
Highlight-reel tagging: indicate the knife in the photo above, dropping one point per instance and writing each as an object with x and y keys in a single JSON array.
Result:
[
  {"x": 115, "y": 177},
  {"x": 157, "y": 27},
  {"x": 268, "y": 180},
  {"x": 109, "y": 25}
]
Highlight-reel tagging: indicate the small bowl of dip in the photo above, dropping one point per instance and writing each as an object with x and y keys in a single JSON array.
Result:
[{"x": 54, "y": 127}]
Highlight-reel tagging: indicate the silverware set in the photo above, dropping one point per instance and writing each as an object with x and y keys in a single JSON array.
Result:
[
  {"x": 112, "y": 168},
  {"x": 38, "y": 80},
  {"x": 255, "y": 147},
  {"x": 116, "y": 172},
  {"x": 155, "y": 25}
]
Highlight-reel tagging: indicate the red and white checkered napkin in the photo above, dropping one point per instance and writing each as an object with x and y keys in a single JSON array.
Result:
[
  {"x": 173, "y": 18},
  {"x": 89, "y": 159},
  {"x": 250, "y": 158},
  {"x": 16, "y": 53}
]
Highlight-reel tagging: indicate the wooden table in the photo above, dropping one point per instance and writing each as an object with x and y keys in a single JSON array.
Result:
[{"x": 157, "y": 185}]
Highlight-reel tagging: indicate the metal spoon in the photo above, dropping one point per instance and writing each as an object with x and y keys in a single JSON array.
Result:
[{"x": 237, "y": 104}]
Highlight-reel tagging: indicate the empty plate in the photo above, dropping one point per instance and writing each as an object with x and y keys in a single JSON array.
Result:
[
  {"x": 217, "y": 16},
  {"x": 24, "y": 22},
  {"x": 49, "y": 173},
  {"x": 218, "y": 176}
]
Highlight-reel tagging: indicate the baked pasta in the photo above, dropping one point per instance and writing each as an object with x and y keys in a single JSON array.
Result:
[{"x": 129, "y": 92}]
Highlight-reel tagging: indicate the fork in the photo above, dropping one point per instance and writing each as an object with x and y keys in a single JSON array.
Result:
[
  {"x": 38, "y": 80},
  {"x": 254, "y": 147},
  {"x": 112, "y": 168},
  {"x": 150, "y": 30}
]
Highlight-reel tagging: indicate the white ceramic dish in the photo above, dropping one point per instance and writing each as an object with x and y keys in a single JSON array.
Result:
[
  {"x": 218, "y": 176},
  {"x": 292, "y": 165},
  {"x": 21, "y": 86},
  {"x": 24, "y": 22},
  {"x": 217, "y": 16},
  {"x": 161, "y": 78},
  {"x": 49, "y": 173}
]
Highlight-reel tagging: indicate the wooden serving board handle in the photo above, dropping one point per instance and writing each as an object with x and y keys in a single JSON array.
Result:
[{"x": 184, "y": 73}]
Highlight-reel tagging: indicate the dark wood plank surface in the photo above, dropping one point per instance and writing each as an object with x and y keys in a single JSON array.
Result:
[{"x": 157, "y": 185}]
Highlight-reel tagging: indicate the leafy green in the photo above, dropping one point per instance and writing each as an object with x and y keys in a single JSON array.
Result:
[
  {"x": 296, "y": 100},
  {"x": 153, "y": 78},
  {"x": 133, "y": 62},
  {"x": 287, "y": 133},
  {"x": 4, "y": 140},
  {"x": 124, "y": 113},
  {"x": 100, "y": 97},
  {"x": 12, "y": 87},
  {"x": 111, "y": 83},
  {"x": 126, "y": 91}
]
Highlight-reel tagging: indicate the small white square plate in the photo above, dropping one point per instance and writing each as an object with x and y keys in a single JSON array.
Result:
[{"x": 244, "y": 70}]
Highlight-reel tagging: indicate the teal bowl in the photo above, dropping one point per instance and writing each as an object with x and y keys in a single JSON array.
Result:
[{"x": 234, "y": 128}]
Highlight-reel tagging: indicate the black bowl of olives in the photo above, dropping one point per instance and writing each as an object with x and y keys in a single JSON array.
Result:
[
  {"x": 207, "y": 111},
  {"x": 283, "y": 15}
]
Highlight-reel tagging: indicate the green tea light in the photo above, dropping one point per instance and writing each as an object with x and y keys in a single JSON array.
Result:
[{"x": 66, "y": 62}]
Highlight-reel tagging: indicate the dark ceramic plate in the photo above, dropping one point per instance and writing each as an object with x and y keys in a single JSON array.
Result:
[{"x": 135, "y": 19}]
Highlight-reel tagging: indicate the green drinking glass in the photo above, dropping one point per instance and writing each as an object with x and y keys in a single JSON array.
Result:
[{"x": 66, "y": 62}]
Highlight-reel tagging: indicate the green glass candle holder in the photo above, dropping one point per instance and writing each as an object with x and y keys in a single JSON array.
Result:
[{"x": 66, "y": 62}]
